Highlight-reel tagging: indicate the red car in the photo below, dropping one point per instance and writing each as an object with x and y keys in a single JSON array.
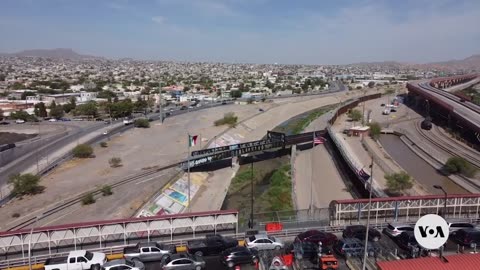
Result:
[{"x": 315, "y": 236}]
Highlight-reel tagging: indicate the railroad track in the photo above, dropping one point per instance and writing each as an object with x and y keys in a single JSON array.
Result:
[
  {"x": 448, "y": 147},
  {"x": 78, "y": 198}
]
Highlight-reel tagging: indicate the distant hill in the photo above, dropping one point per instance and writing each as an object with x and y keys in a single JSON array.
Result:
[
  {"x": 60, "y": 53},
  {"x": 469, "y": 63}
]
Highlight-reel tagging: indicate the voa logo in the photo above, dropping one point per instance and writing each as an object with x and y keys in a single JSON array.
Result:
[{"x": 431, "y": 231}]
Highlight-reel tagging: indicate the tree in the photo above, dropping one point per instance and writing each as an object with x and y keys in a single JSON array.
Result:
[
  {"x": 141, "y": 104},
  {"x": 459, "y": 165},
  {"x": 235, "y": 94},
  {"x": 23, "y": 115},
  {"x": 375, "y": 130},
  {"x": 398, "y": 182},
  {"x": 25, "y": 184},
  {"x": 228, "y": 119},
  {"x": 89, "y": 109},
  {"x": 106, "y": 94},
  {"x": 355, "y": 115},
  {"x": 122, "y": 108},
  {"x": 106, "y": 190},
  {"x": 2, "y": 77},
  {"x": 88, "y": 199},
  {"x": 26, "y": 94},
  {"x": 371, "y": 84},
  {"x": 40, "y": 110},
  {"x": 269, "y": 84},
  {"x": 57, "y": 112},
  {"x": 71, "y": 105},
  {"x": 17, "y": 86},
  {"x": 82, "y": 151},
  {"x": 115, "y": 162},
  {"x": 53, "y": 104},
  {"x": 1, "y": 114},
  {"x": 142, "y": 123}
]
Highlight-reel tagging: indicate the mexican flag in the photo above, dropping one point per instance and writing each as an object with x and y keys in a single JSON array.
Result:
[{"x": 192, "y": 140}]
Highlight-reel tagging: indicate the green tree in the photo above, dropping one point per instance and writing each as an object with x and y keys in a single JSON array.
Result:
[
  {"x": 371, "y": 84},
  {"x": 82, "y": 151},
  {"x": 235, "y": 94},
  {"x": 355, "y": 115},
  {"x": 17, "y": 86},
  {"x": 71, "y": 105},
  {"x": 26, "y": 94},
  {"x": 269, "y": 84},
  {"x": 40, "y": 110},
  {"x": 115, "y": 162},
  {"x": 23, "y": 115},
  {"x": 24, "y": 184},
  {"x": 398, "y": 182},
  {"x": 459, "y": 165},
  {"x": 53, "y": 104},
  {"x": 229, "y": 119},
  {"x": 88, "y": 199},
  {"x": 57, "y": 112},
  {"x": 89, "y": 109},
  {"x": 1, "y": 114},
  {"x": 141, "y": 104},
  {"x": 375, "y": 130},
  {"x": 2, "y": 77},
  {"x": 106, "y": 94},
  {"x": 106, "y": 190},
  {"x": 142, "y": 123},
  {"x": 122, "y": 108}
]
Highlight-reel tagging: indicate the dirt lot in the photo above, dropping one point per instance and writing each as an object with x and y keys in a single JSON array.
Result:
[{"x": 9, "y": 137}]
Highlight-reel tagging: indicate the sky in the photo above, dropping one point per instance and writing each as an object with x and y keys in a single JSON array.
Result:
[{"x": 247, "y": 31}]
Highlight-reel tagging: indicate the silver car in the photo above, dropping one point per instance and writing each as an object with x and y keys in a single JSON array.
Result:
[
  {"x": 123, "y": 264},
  {"x": 394, "y": 230},
  {"x": 264, "y": 242},
  {"x": 183, "y": 262}
]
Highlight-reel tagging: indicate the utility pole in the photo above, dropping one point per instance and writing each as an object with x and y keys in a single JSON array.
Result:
[{"x": 160, "y": 99}]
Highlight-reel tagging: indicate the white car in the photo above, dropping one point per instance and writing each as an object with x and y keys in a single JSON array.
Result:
[
  {"x": 395, "y": 230},
  {"x": 52, "y": 120},
  {"x": 105, "y": 132},
  {"x": 19, "y": 121},
  {"x": 123, "y": 264},
  {"x": 264, "y": 242}
]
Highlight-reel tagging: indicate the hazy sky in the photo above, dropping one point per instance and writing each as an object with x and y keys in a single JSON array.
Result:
[{"x": 259, "y": 31}]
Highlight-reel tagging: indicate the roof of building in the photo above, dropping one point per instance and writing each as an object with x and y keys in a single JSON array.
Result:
[
  {"x": 453, "y": 262},
  {"x": 360, "y": 128}
]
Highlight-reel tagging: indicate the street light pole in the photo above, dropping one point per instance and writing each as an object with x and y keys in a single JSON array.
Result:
[
  {"x": 445, "y": 199},
  {"x": 30, "y": 244},
  {"x": 250, "y": 222},
  {"x": 365, "y": 254}
]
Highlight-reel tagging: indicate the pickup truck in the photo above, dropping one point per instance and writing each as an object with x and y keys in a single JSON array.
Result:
[
  {"x": 149, "y": 251},
  {"x": 127, "y": 121},
  {"x": 212, "y": 244},
  {"x": 77, "y": 260}
]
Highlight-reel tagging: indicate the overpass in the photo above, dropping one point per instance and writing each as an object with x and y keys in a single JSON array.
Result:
[
  {"x": 180, "y": 227},
  {"x": 458, "y": 110}
]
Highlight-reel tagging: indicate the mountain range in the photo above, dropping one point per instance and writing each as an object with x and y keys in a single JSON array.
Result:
[{"x": 469, "y": 63}]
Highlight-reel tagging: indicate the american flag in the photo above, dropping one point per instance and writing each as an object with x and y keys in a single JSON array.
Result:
[
  {"x": 363, "y": 174},
  {"x": 319, "y": 140}
]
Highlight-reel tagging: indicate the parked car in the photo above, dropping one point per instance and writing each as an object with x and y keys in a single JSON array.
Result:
[
  {"x": 76, "y": 260},
  {"x": 224, "y": 103},
  {"x": 466, "y": 237},
  {"x": 261, "y": 110},
  {"x": 316, "y": 236},
  {"x": 354, "y": 247},
  {"x": 123, "y": 264},
  {"x": 327, "y": 260},
  {"x": 52, "y": 120},
  {"x": 394, "y": 230},
  {"x": 5, "y": 147},
  {"x": 263, "y": 242},
  {"x": 359, "y": 231},
  {"x": 305, "y": 250},
  {"x": 239, "y": 255},
  {"x": 212, "y": 244},
  {"x": 457, "y": 225},
  {"x": 183, "y": 261},
  {"x": 183, "y": 108},
  {"x": 64, "y": 119},
  {"x": 278, "y": 264},
  {"x": 149, "y": 251},
  {"x": 19, "y": 121},
  {"x": 3, "y": 123},
  {"x": 406, "y": 240}
]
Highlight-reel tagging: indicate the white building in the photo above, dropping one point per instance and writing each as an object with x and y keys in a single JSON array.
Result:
[
  {"x": 77, "y": 88},
  {"x": 86, "y": 96}
]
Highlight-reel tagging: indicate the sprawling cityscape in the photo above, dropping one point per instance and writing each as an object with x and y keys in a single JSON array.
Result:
[{"x": 131, "y": 162}]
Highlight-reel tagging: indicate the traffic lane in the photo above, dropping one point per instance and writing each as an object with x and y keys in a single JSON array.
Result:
[{"x": 211, "y": 263}]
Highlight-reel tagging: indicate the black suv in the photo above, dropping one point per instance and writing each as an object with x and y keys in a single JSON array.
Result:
[
  {"x": 359, "y": 231},
  {"x": 406, "y": 240},
  {"x": 466, "y": 237},
  {"x": 239, "y": 255}
]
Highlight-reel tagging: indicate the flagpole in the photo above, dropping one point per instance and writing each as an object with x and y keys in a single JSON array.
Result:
[{"x": 188, "y": 172}]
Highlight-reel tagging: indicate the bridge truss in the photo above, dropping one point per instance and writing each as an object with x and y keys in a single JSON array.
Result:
[
  {"x": 408, "y": 208},
  {"x": 121, "y": 230}
]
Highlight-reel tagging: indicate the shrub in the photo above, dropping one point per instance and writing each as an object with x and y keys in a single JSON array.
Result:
[
  {"x": 459, "y": 165},
  {"x": 103, "y": 144},
  {"x": 397, "y": 182},
  {"x": 15, "y": 215},
  {"x": 142, "y": 123},
  {"x": 82, "y": 151},
  {"x": 106, "y": 190},
  {"x": 355, "y": 115},
  {"x": 228, "y": 119},
  {"x": 88, "y": 199},
  {"x": 24, "y": 184},
  {"x": 115, "y": 162},
  {"x": 375, "y": 130}
]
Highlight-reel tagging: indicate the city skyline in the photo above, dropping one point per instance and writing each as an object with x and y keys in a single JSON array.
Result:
[{"x": 252, "y": 31}]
